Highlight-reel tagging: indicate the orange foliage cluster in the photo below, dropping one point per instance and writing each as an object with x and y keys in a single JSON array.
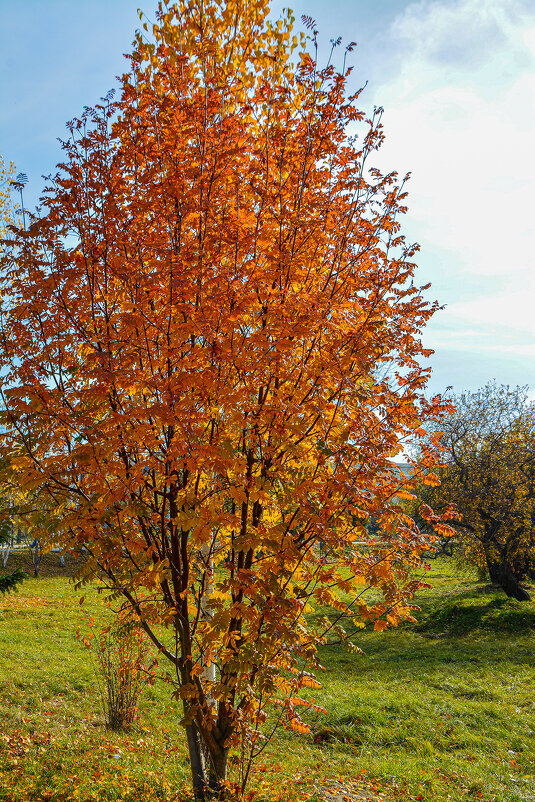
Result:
[{"x": 211, "y": 353}]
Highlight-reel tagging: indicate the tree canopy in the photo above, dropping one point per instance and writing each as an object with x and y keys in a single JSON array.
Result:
[
  {"x": 196, "y": 323},
  {"x": 489, "y": 474}
]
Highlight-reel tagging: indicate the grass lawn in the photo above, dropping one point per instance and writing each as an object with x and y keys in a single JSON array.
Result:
[{"x": 443, "y": 709}]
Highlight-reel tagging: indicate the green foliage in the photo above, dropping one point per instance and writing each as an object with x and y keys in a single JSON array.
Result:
[
  {"x": 12, "y": 580},
  {"x": 489, "y": 474}
]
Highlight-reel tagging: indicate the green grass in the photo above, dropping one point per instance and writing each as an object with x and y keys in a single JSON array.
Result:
[{"x": 443, "y": 709}]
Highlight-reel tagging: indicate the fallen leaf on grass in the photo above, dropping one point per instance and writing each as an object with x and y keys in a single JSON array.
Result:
[
  {"x": 16, "y": 602},
  {"x": 357, "y": 790}
]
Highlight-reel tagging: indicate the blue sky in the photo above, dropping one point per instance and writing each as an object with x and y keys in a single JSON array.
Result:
[{"x": 457, "y": 81}]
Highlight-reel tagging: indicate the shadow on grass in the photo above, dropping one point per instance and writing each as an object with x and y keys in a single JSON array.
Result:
[
  {"x": 459, "y": 630},
  {"x": 461, "y": 615},
  {"x": 414, "y": 656}
]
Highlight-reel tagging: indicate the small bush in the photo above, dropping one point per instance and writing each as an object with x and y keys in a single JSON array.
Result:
[{"x": 122, "y": 653}]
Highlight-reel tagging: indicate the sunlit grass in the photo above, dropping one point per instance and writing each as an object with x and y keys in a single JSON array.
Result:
[{"x": 443, "y": 709}]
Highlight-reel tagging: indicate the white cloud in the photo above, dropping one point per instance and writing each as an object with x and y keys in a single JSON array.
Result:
[
  {"x": 460, "y": 115},
  {"x": 466, "y": 36}
]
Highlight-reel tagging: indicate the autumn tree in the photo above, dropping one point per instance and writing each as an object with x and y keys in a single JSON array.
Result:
[
  {"x": 489, "y": 474},
  {"x": 10, "y": 580},
  {"x": 196, "y": 321}
]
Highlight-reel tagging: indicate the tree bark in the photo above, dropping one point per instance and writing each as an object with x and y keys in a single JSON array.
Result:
[
  {"x": 198, "y": 772},
  {"x": 37, "y": 552},
  {"x": 6, "y": 548},
  {"x": 502, "y": 574},
  {"x": 218, "y": 771},
  {"x": 208, "y": 770}
]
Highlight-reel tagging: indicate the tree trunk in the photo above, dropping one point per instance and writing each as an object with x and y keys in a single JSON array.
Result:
[
  {"x": 6, "y": 548},
  {"x": 208, "y": 770},
  {"x": 198, "y": 772},
  {"x": 501, "y": 574},
  {"x": 36, "y": 555},
  {"x": 218, "y": 771}
]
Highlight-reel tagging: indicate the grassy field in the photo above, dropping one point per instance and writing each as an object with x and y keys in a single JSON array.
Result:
[{"x": 439, "y": 710}]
